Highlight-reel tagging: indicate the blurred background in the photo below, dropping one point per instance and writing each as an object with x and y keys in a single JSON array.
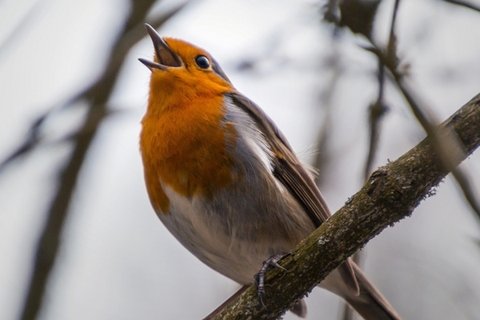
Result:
[{"x": 72, "y": 95}]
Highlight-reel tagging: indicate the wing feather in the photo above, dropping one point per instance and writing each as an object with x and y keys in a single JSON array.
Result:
[
  {"x": 289, "y": 171},
  {"x": 286, "y": 166}
]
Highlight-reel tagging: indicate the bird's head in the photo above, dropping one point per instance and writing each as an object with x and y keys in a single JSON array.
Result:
[{"x": 182, "y": 69}]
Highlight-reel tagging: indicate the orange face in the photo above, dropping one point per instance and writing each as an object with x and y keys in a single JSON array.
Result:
[
  {"x": 198, "y": 70},
  {"x": 181, "y": 72}
]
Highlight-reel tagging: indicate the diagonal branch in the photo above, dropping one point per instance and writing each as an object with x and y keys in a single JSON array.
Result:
[
  {"x": 444, "y": 141},
  {"x": 391, "y": 194}
]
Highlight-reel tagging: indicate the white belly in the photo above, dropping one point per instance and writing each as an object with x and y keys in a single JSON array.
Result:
[{"x": 234, "y": 235}]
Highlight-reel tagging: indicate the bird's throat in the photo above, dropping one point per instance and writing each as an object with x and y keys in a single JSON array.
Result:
[{"x": 189, "y": 149}]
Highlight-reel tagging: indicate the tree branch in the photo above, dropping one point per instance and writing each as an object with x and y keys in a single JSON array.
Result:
[{"x": 391, "y": 194}]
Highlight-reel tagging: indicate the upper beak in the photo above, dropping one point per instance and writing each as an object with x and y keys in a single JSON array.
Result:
[{"x": 165, "y": 57}]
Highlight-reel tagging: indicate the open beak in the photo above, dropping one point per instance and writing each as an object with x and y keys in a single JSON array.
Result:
[{"x": 165, "y": 57}]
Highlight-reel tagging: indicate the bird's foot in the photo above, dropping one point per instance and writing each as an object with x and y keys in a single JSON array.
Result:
[{"x": 260, "y": 276}]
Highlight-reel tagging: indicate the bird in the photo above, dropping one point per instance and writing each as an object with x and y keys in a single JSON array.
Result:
[{"x": 225, "y": 181}]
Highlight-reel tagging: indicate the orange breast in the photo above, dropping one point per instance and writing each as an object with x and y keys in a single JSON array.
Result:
[{"x": 187, "y": 148}]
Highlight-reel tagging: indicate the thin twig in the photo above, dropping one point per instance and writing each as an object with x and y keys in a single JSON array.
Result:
[
  {"x": 465, "y": 4},
  {"x": 378, "y": 108},
  {"x": 323, "y": 150},
  {"x": 331, "y": 11},
  {"x": 20, "y": 26},
  {"x": 34, "y": 138},
  {"x": 376, "y": 112},
  {"x": 446, "y": 143},
  {"x": 392, "y": 38}
]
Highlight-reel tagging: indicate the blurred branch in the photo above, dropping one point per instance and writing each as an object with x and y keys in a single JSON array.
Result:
[
  {"x": 377, "y": 109},
  {"x": 30, "y": 142},
  {"x": 391, "y": 194},
  {"x": 20, "y": 26},
  {"x": 376, "y": 112},
  {"x": 445, "y": 142},
  {"x": 465, "y": 4},
  {"x": 358, "y": 15},
  {"x": 333, "y": 65},
  {"x": 392, "y": 38},
  {"x": 96, "y": 95},
  {"x": 331, "y": 11}
]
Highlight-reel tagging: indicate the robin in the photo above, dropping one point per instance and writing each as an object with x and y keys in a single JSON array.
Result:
[{"x": 225, "y": 181}]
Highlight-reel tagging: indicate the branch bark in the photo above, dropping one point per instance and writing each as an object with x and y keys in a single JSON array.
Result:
[{"x": 391, "y": 193}]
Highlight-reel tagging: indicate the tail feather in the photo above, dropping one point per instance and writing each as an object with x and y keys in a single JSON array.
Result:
[
  {"x": 299, "y": 308},
  {"x": 369, "y": 302}
]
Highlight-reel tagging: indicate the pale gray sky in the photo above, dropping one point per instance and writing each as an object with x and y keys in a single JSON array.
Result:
[{"x": 118, "y": 261}]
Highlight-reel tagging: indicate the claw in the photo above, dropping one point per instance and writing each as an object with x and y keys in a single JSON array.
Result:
[{"x": 260, "y": 276}]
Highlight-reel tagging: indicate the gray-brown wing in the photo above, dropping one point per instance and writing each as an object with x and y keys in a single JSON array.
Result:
[
  {"x": 290, "y": 172},
  {"x": 286, "y": 166}
]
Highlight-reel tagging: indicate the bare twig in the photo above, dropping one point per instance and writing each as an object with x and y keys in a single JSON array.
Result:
[
  {"x": 34, "y": 137},
  {"x": 331, "y": 11},
  {"x": 30, "y": 141},
  {"x": 377, "y": 109},
  {"x": 392, "y": 38},
  {"x": 376, "y": 112},
  {"x": 20, "y": 26},
  {"x": 446, "y": 143},
  {"x": 96, "y": 95},
  {"x": 465, "y": 4},
  {"x": 323, "y": 150}
]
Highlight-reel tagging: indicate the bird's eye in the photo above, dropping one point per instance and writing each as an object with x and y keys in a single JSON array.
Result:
[{"x": 202, "y": 62}]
